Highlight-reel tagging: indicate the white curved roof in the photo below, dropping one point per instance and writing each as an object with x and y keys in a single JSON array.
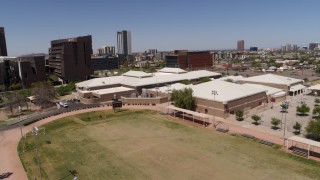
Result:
[
  {"x": 152, "y": 80},
  {"x": 273, "y": 79}
]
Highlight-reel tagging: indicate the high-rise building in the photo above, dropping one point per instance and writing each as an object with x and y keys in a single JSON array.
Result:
[
  {"x": 240, "y": 45},
  {"x": 124, "y": 42},
  {"x": 107, "y": 50},
  {"x": 288, "y": 47},
  {"x": 314, "y": 46},
  {"x": 70, "y": 59},
  {"x": 3, "y": 45},
  {"x": 24, "y": 70}
]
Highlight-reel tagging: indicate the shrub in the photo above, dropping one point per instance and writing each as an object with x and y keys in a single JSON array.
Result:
[
  {"x": 297, "y": 127},
  {"x": 239, "y": 115},
  {"x": 275, "y": 122},
  {"x": 256, "y": 118},
  {"x": 303, "y": 109}
]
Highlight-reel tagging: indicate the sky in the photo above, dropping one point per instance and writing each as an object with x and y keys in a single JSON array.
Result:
[{"x": 160, "y": 24}]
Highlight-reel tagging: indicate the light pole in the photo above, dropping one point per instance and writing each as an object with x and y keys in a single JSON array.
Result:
[
  {"x": 168, "y": 86},
  {"x": 214, "y": 92},
  {"x": 35, "y": 134},
  {"x": 285, "y": 107}
]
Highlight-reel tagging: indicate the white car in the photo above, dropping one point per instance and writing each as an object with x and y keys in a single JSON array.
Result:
[{"x": 63, "y": 104}]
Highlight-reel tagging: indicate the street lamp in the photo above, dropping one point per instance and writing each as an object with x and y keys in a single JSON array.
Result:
[
  {"x": 214, "y": 92},
  {"x": 168, "y": 86},
  {"x": 284, "y": 109}
]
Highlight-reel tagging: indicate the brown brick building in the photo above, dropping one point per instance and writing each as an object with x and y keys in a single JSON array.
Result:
[
  {"x": 31, "y": 69},
  {"x": 194, "y": 59},
  {"x": 70, "y": 59}
]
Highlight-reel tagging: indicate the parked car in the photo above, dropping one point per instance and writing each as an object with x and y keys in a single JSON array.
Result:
[{"x": 63, "y": 104}]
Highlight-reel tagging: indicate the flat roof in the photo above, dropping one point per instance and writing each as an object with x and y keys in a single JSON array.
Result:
[
  {"x": 315, "y": 87},
  {"x": 152, "y": 80},
  {"x": 297, "y": 87},
  {"x": 172, "y": 70},
  {"x": 273, "y": 79},
  {"x": 111, "y": 90},
  {"x": 268, "y": 89},
  {"x": 226, "y": 91},
  {"x": 305, "y": 141},
  {"x": 138, "y": 74}
]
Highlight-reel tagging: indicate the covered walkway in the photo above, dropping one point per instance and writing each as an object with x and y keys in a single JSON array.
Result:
[
  {"x": 304, "y": 147},
  {"x": 190, "y": 115}
]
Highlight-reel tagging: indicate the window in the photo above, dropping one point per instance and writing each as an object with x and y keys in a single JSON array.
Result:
[{"x": 206, "y": 111}]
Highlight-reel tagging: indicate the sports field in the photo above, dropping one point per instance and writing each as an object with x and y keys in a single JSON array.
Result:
[{"x": 147, "y": 145}]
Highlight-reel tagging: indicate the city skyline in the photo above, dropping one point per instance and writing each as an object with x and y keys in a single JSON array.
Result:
[{"x": 162, "y": 25}]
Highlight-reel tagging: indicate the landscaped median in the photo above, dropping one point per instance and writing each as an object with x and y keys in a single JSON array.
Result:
[{"x": 143, "y": 144}]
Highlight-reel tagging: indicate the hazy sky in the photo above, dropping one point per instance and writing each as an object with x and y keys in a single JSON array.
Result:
[{"x": 162, "y": 24}]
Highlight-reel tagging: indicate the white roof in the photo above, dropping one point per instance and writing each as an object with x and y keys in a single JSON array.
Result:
[
  {"x": 268, "y": 89},
  {"x": 172, "y": 70},
  {"x": 153, "y": 80},
  {"x": 111, "y": 90},
  {"x": 305, "y": 141},
  {"x": 315, "y": 87},
  {"x": 273, "y": 79},
  {"x": 297, "y": 87},
  {"x": 138, "y": 74},
  {"x": 226, "y": 91},
  {"x": 176, "y": 86}
]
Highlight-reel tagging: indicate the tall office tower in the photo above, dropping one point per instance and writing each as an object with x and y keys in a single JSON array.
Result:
[
  {"x": 70, "y": 59},
  {"x": 240, "y": 45},
  {"x": 107, "y": 50},
  {"x": 124, "y": 42},
  {"x": 3, "y": 45},
  {"x": 288, "y": 47},
  {"x": 314, "y": 46}
]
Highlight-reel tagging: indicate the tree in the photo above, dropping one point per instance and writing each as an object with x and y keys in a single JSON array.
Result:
[
  {"x": 44, "y": 93},
  {"x": 317, "y": 102},
  {"x": 204, "y": 79},
  {"x": 239, "y": 115},
  {"x": 185, "y": 82},
  {"x": 275, "y": 122},
  {"x": 256, "y": 118},
  {"x": 62, "y": 90},
  {"x": 229, "y": 80},
  {"x": 184, "y": 98},
  {"x": 303, "y": 109},
  {"x": 316, "y": 111},
  {"x": 313, "y": 130},
  {"x": 297, "y": 127}
]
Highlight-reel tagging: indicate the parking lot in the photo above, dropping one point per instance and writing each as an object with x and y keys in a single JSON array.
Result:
[{"x": 267, "y": 113}]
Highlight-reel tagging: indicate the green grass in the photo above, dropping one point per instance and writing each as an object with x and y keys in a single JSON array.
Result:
[{"x": 147, "y": 145}]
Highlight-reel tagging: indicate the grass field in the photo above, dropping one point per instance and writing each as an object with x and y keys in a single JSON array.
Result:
[{"x": 147, "y": 145}]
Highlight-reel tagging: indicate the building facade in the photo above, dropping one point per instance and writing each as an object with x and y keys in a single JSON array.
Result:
[
  {"x": 240, "y": 45},
  {"x": 3, "y": 45},
  {"x": 124, "y": 42},
  {"x": 23, "y": 70},
  {"x": 104, "y": 63},
  {"x": 107, "y": 50},
  {"x": 31, "y": 69},
  {"x": 70, "y": 59}
]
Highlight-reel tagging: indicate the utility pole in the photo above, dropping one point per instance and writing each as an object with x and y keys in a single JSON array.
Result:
[{"x": 214, "y": 92}]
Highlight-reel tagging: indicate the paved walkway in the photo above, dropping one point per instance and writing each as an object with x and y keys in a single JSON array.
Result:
[{"x": 9, "y": 139}]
